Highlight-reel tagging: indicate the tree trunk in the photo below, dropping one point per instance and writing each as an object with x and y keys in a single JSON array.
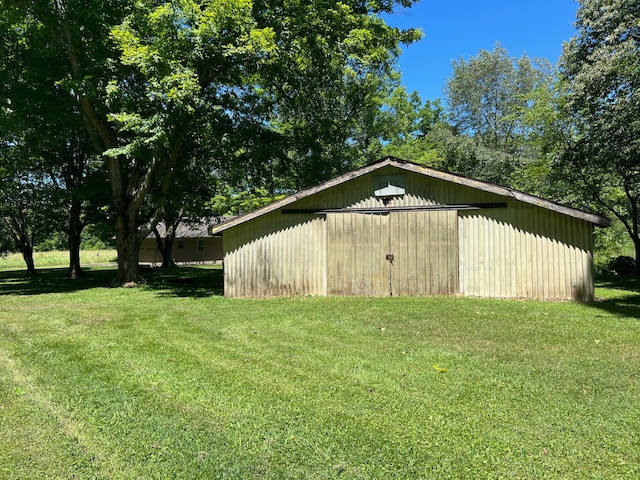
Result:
[
  {"x": 167, "y": 254},
  {"x": 75, "y": 231},
  {"x": 165, "y": 247},
  {"x": 636, "y": 242},
  {"x": 27, "y": 254},
  {"x": 20, "y": 234},
  {"x": 26, "y": 249},
  {"x": 128, "y": 247}
]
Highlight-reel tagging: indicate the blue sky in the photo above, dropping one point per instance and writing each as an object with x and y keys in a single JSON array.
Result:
[{"x": 456, "y": 29}]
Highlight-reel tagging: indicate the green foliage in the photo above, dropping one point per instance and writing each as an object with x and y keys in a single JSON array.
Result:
[
  {"x": 57, "y": 241},
  {"x": 622, "y": 265},
  {"x": 97, "y": 237},
  {"x": 43, "y": 136},
  {"x": 327, "y": 100},
  {"x": 231, "y": 203},
  {"x": 600, "y": 66},
  {"x": 171, "y": 381},
  {"x": 504, "y": 113},
  {"x": 488, "y": 94}
]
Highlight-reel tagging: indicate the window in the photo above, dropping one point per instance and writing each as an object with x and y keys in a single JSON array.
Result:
[
  {"x": 180, "y": 244},
  {"x": 200, "y": 246}
]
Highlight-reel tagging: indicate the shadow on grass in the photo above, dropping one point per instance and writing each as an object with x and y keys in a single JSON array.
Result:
[
  {"x": 178, "y": 282},
  {"x": 185, "y": 281},
  {"x": 626, "y": 302}
]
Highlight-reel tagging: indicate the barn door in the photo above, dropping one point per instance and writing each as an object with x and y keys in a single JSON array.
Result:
[
  {"x": 400, "y": 253},
  {"x": 425, "y": 250},
  {"x": 356, "y": 245}
]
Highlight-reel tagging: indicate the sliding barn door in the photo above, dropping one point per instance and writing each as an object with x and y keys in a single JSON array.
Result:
[{"x": 400, "y": 253}]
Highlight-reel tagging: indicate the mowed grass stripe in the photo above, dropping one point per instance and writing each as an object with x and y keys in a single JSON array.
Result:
[
  {"x": 57, "y": 425},
  {"x": 166, "y": 382}
]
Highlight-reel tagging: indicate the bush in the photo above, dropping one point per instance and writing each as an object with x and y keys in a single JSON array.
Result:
[
  {"x": 56, "y": 242},
  {"x": 621, "y": 265}
]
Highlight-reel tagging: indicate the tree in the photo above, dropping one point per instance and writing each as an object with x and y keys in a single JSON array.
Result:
[
  {"x": 147, "y": 76},
  {"x": 188, "y": 204},
  {"x": 409, "y": 127},
  {"x": 600, "y": 66},
  {"x": 488, "y": 97},
  {"x": 486, "y": 93},
  {"x": 42, "y": 132},
  {"x": 27, "y": 205}
]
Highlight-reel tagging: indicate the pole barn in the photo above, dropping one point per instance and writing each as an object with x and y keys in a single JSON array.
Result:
[{"x": 398, "y": 228}]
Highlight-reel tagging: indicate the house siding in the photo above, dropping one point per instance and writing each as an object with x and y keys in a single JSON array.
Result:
[{"x": 190, "y": 253}]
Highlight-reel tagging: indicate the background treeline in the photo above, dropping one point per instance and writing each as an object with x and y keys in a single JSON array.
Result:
[{"x": 117, "y": 115}]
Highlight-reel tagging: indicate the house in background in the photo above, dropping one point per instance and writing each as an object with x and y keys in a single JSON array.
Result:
[
  {"x": 193, "y": 244},
  {"x": 398, "y": 228}
]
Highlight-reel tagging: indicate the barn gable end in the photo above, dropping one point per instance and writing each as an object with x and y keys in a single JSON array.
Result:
[{"x": 397, "y": 228}]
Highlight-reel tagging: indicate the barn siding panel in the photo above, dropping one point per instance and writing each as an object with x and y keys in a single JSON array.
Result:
[
  {"x": 287, "y": 257},
  {"x": 356, "y": 247},
  {"x": 424, "y": 246},
  {"x": 525, "y": 252}
]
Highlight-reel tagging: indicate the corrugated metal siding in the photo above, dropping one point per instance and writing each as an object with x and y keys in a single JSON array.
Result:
[
  {"x": 275, "y": 255},
  {"x": 525, "y": 253},
  {"x": 518, "y": 251}
]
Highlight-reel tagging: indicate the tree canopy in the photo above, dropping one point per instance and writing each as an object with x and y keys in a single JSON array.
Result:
[
  {"x": 600, "y": 68},
  {"x": 487, "y": 94},
  {"x": 280, "y": 93}
]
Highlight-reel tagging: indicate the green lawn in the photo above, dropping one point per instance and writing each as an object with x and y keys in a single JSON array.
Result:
[{"x": 171, "y": 380}]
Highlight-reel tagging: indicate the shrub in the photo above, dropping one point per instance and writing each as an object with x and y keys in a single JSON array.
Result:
[{"x": 621, "y": 265}]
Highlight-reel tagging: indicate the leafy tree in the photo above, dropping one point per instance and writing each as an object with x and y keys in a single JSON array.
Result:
[
  {"x": 43, "y": 131},
  {"x": 486, "y": 93},
  {"x": 187, "y": 205},
  {"x": 260, "y": 78},
  {"x": 488, "y": 98},
  {"x": 409, "y": 127},
  {"x": 600, "y": 66},
  {"x": 27, "y": 205},
  {"x": 334, "y": 73},
  {"x": 228, "y": 202}
]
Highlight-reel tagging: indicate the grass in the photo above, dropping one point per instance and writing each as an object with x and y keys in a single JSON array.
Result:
[
  {"x": 171, "y": 380},
  {"x": 14, "y": 261}
]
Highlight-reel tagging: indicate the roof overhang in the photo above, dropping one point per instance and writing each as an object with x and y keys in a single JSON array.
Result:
[{"x": 593, "y": 218}]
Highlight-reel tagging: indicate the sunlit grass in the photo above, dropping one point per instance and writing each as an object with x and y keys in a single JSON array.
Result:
[
  {"x": 57, "y": 259},
  {"x": 171, "y": 381}
]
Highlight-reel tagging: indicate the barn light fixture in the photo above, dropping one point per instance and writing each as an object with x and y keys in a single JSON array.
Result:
[{"x": 387, "y": 186}]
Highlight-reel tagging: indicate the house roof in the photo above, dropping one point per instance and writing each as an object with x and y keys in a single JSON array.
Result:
[
  {"x": 195, "y": 229},
  {"x": 595, "y": 219}
]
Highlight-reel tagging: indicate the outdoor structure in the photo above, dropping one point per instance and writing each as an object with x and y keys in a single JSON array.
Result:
[
  {"x": 398, "y": 228},
  {"x": 193, "y": 244}
]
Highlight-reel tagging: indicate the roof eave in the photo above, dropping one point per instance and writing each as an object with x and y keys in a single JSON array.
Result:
[{"x": 595, "y": 219}]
